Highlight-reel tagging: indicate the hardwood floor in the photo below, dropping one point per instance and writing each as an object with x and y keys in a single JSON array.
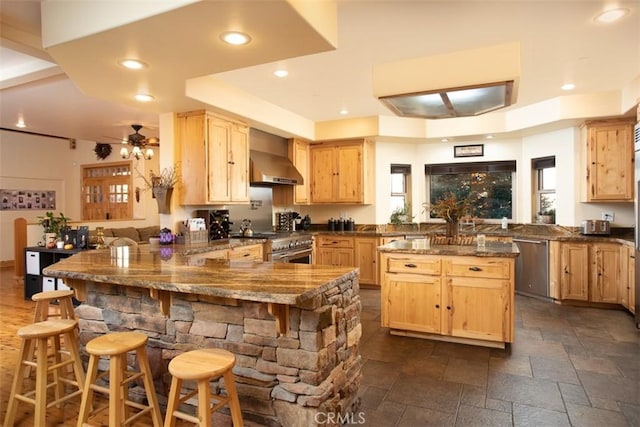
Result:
[{"x": 16, "y": 312}]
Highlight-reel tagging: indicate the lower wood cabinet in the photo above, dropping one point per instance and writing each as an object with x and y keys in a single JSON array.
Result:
[
  {"x": 574, "y": 273},
  {"x": 627, "y": 290},
  {"x": 335, "y": 250},
  {"x": 605, "y": 273},
  {"x": 347, "y": 251},
  {"x": 456, "y": 298},
  {"x": 366, "y": 258},
  {"x": 248, "y": 252}
]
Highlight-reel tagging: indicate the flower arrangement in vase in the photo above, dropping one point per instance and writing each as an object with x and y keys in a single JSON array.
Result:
[
  {"x": 452, "y": 210},
  {"x": 162, "y": 186}
]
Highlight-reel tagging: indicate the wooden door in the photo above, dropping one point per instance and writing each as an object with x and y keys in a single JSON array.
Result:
[
  {"x": 299, "y": 155},
  {"x": 605, "y": 273},
  {"x": 366, "y": 255},
  {"x": 218, "y": 155},
  {"x": 610, "y": 158},
  {"x": 239, "y": 163},
  {"x": 574, "y": 269},
  {"x": 414, "y": 302},
  {"x": 477, "y": 308},
  {"x": 194, "y": 168},
  {"x": 349, "y": 174},
  {"x": 322, "y": 173}
]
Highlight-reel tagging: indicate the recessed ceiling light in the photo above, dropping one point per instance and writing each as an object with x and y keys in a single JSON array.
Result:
[
  {"x": 611, "y": 15},
  {"x": 133, "y": 64},
  {"x": 144, "y": 97},
  {"x": 489, "y": 137},
  {"x": 20, "y": 124},
  {"x": 445, "y": 139},
  {"x": 281, "y": 73},
  {"x": 344, "y": 111},
  {"x": 568, "y": 86},
  {"x": 235, "y": 38}
]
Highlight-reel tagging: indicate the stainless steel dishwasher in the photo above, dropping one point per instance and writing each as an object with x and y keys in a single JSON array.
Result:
[{"x": 532, "y": 267}]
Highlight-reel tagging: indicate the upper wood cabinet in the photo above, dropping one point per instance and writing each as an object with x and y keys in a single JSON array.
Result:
[
  {"x": 215, "y": 159},
  {"x": 284, "y": 195},
  {"x": 609, "y": 158},
  {"x": 342, "y": 172}
]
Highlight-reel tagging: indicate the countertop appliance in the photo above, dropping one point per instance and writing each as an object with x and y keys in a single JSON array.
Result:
[
  {"x": 532, "y": 268},
  {"x": 595, "y": 226},
  {"x": 636, "y": 144}
]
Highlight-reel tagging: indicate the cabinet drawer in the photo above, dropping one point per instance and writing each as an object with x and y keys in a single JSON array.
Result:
[
  {"x": 253, "y": 252},
  {"x": 335, "y": 242},
  {"x": 415, "y": 265},
  {"x": 475, "y": 267}
]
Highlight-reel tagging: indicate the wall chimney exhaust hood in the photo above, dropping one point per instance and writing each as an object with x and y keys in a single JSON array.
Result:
[{"x": 267, "y": 168}]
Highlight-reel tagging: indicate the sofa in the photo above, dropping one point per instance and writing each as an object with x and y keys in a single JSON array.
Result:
[{"x": 139, "y": 235}]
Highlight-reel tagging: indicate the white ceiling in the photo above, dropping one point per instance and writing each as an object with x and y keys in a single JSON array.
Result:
[{"x": 559, "y": 43}]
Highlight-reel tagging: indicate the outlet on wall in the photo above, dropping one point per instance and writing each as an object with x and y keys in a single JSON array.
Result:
[{"x": 608, "y": 216}]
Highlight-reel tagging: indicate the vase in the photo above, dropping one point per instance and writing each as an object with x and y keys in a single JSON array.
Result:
[
  {"x": 163, "y": 198},
  {"x": 452, "y": 232}
]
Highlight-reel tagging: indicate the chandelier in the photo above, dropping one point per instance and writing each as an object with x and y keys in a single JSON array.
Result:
[{"x": 138, "y": 143}]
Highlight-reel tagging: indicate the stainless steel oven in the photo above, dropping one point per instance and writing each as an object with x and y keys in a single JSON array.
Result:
[{"x": 291, "y": 248}]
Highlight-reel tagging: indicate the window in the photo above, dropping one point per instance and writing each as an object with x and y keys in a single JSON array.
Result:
[
  {"x": 106, "y": 191},
  {"x": 489, "y": 186},
  {"x": 544, "y": 171},
  {"x": 400, "y": 186}
]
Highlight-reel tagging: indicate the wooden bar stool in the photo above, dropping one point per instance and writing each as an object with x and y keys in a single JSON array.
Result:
[
  {"x": 115, "y": 346},
  {"x": 44, "y": 303},
  {"x": 38, "y": 335},
  {"x": 202, "y": 366}
]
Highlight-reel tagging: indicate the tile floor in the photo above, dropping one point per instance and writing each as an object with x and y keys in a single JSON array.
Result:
[{"x": 569, "y": 366}]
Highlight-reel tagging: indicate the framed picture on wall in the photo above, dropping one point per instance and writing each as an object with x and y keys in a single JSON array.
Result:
[{"x": 474, "y": 150}]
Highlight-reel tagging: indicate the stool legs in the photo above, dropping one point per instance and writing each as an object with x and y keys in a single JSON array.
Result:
[{"x": 234, "y": 403}]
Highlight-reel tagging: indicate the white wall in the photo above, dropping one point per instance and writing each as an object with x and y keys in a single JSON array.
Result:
[{"x": 44, "y": 163}]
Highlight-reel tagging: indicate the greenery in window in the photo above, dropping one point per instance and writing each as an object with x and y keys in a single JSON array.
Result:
[{"x": 488, "y": 187}]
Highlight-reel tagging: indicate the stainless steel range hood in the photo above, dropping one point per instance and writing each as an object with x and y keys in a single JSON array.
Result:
[{"x": 267, "y": 168}]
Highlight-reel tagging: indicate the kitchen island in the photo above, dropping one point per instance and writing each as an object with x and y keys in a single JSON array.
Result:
[
  {"x": 295, "y": 329},
  {"x": 457, "y": 293}
]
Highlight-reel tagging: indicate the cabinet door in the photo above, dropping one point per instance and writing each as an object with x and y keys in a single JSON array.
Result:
[
  {"x": 477, "y": 308},
  {"x": 413, "y": 302},
  {"x": 349, "y": 174},
  {"x": 366, "y": 255},
  {"x": 624, "y": 284},
  {"x": 574, "y": 277},
  {"x": 322, "y": 173},
  {"x": 194, "y": 168},
  {"x": 299, "y": 155},
  {"x": 610, "y": 162},
  {"x": 218, "y": 155},
  {"x": 239, "y": 163},
  {"x": 605, "y": 273},
  {"x": 631, "y": 272}
]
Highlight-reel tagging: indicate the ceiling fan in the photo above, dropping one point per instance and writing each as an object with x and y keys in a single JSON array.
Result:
[{"x": 140, "y": 143}]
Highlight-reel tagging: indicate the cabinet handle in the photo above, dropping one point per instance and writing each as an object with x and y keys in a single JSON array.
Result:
[
  {"x": 246, "y": 255},
  {"x": 437, "y": 305},
  {"x": 232, "y": 163},
  {"x": 448, "y": 307},
  {"x": 475, "y": 269},
  {"x": 565, "y": 270},
  {"x": 410, "y": 265}
]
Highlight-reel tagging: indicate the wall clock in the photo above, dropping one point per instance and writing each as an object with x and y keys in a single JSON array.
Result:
[{"x": 102, "y": 150}]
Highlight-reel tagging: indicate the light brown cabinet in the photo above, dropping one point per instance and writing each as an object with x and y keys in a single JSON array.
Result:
[
  {"x": 215, "y": 159},
  {"x": 574, "y": 271},
  {"x": 609, "y": 161},
  {"x": 285, "y": 195},
  {"x": 627, "y": 289},
  {"x": 366, "y": 259},
  {"x": 335, "y": 250},
  {"x": 342, "y": 172},
  {"x": 462, "y": 299},
  {"x": 605, "y": 273},
  {"x": 248, "y": 252}
]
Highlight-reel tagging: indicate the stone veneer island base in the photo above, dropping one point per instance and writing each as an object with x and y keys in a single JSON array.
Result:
[{"x": 305, "y": 377}]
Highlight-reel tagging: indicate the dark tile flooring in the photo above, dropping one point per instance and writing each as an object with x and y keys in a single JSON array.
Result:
[{"x": 568, "y": 366}]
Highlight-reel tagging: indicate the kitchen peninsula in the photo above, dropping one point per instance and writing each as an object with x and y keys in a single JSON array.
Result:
[
  {"x": 458, "y": 293},
  {"x": 295, "y": 329}
]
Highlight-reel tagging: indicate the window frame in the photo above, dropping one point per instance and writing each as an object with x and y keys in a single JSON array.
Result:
[
  {"x": 537, "y": 165},
  {"x": 405, "y": 170}
]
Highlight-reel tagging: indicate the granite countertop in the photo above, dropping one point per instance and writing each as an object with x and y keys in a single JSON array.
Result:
[
  {"x": 170, "y": 268},
  {"x": 424, "y": 247}
]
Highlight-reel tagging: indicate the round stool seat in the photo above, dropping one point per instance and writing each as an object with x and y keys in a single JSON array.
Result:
[
  {"x": 116, "y": 343},
  {"x": 201, "y": 364},
  {"x": 47, "y": 328},
  {"x": 52, "y": 295}
]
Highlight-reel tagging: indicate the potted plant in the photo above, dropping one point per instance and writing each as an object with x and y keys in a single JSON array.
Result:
[
  {"x": 452, "y": 210},
  {"x": 547, "y": 216},
  {"x": 53, "y": 227},
  {"x": 162, "y": 185},
  {"x": 401, "y": 215}
]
